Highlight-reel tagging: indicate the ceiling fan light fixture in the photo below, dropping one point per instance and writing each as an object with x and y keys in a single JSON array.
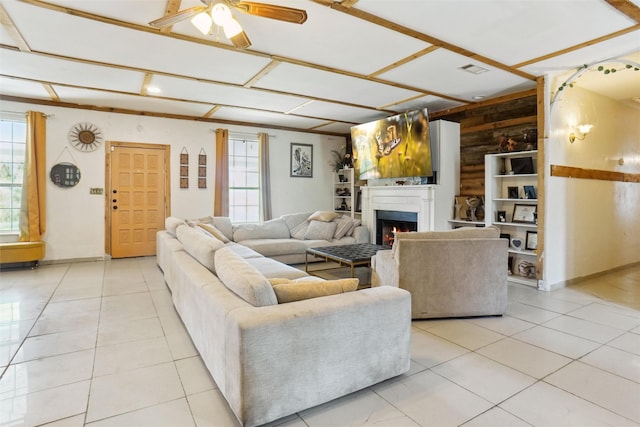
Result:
[
  {"x": 202, "y": 22},
  {"x": 232, "y": 28},
  {"x": 221, "y": 14},
  {"x": 241, "y": 40}
]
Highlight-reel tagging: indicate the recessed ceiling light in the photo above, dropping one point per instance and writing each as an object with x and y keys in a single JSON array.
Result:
[
  {"x": 153, "y": 89},
  {"x": 474, "y": 69},
  {"x": 478, "y": 97}
]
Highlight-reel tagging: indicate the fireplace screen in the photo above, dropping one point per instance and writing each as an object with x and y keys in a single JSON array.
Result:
[{"x": 390, "y": 222}]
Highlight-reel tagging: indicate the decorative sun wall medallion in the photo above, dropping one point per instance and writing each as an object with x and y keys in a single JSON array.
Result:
[{"x": 85, "y": 137}]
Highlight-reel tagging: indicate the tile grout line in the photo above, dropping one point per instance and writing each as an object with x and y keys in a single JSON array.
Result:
[{"x": 36, "y": 321}]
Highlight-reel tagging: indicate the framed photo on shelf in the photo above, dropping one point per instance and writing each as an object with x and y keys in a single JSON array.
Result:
[
  {"x": 524, "y": 213},
  {"x": 531, "y": 243},
  {"x": 512, "y": 192},
  {"x": 502, "y": 216},
  {"x": 530, "y": 192},
  {"x": 301, "y": 160}
]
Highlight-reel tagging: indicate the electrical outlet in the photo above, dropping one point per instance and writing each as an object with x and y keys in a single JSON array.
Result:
[{"x": 96, "y": 190}]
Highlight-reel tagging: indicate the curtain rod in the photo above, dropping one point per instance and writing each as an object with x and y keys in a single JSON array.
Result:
[
  {"x": 24, "y": 113},
  {"x": 241, "y": 134}
]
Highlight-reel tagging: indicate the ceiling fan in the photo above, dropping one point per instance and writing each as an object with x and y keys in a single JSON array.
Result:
[{"x": 218, "y": 12}]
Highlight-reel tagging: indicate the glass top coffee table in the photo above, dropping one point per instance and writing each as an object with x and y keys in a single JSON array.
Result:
[{"x": 356, "y": 255}]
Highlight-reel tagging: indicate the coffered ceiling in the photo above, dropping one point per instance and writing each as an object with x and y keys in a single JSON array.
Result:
[{"x": 352, "y": 61}]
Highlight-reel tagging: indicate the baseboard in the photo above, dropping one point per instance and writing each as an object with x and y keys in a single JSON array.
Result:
[{"x": 578, "y": 280}]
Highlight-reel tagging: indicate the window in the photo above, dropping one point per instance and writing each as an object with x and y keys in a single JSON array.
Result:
[
  {"x": 244, "y": 180},
  {"x": 13, "y": 138}
]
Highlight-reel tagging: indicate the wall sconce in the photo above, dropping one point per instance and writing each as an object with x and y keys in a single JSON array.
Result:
[{"x": 583, "y": 130}]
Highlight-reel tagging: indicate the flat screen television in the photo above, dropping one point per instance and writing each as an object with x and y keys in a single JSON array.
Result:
[{"x": 397, "y": 146}]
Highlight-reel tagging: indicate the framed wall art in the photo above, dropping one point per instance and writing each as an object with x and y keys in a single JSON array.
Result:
[{"x": 301, "y": 160}]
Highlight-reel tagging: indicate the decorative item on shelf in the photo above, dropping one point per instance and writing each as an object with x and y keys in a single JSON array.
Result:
[
  {"x": 343, "y": 206},
  {"x": 506, "y": 144},
  {"x": 583, "y": 131},
  {"x": 184, "y": 168},
  {"x": 527, "y": 269},
  {"x": 341, "y": 160},
  {"x": 510, "y": 266},
  {"x": 530, "y": 138},
  {"x": 522, "y": 165},
  {"x": 503, "y": 166},
  {"x": 462, "y": 208},
  {"x": 342, "y": 178},
  {"x": 202, "y": 169},
  {"x": 531, "y": 244},
  {"x": 524, "y": 214},
  {"x": 512, "y": 192},
  {"x": 517, "y": 243},
  {"x": 85, "y": 137},
  {"x": 343, "y": 192},
  {"x": 456, "y": 209},
  {"x": 502, "y": 216},
  {"x": 473, "y": 202},
  {"x": 530, "y": 192}
]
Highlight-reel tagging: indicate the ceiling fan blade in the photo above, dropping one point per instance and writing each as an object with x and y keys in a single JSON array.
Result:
[
  {"x": 281, "y": 13},
  {"x": 177, "y": 17}
]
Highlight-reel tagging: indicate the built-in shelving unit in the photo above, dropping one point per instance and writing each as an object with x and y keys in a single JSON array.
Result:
[
  {"x": 346, "y": 193},
  {"x": 509, "y": 206}
]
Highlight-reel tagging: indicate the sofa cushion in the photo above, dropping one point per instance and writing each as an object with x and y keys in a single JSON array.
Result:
[
  {"x": 199, "y": 245},
  {"x": 275, "y": 247},
  {"x": 301, "y": 290},
  {"x": 271, "y": 268},
  {"x": 356, "y": 223},
  {"x": 213, "y": 231},
  {"x": 294, "y": 219},
  {"x": 320, "y": 230},
  {"x": 243, "y": 279},
  {"x": 171, "y": 223},
  {"x": 243, "y": 251},
  {"x": 325, "y": 216},
  {"x": 272, "y": 229},
  {"x": 343, "y": 225}
]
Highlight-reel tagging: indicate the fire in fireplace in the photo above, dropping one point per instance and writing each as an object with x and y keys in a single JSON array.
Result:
[{"x": 390, "y": 222}]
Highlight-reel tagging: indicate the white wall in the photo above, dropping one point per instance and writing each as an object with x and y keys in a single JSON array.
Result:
[
  {"x": 76, "y": 219},
  {"x": 591, "y": 225}
]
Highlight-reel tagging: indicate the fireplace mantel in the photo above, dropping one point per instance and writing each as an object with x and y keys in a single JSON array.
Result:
[{"x": 403, "y": 198}]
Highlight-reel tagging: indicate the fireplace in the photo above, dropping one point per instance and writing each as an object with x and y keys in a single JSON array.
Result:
[{"x": 390, "y": 222}]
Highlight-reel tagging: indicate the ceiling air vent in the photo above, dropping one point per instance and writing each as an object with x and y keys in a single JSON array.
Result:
[{"x": 473, "y": 69}]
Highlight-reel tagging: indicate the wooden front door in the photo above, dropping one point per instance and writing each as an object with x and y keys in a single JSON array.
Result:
[{"x": 137, "y": 201}]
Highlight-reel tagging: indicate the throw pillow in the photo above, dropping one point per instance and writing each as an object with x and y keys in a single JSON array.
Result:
[
  {"x": 297, "y": 291},
  {"x": 298, "y": 231},
  {"x": 243, "y": 279},
  {"x": 211, "y": 229},
  {"x": 200, "y": 246},
  {"x": 319, "y": 230},
  {"x": 325, "y": 216},
  {"x": 171, "y": 223},
  {"x": 343, "y": 225},
  {"x": 356, "y": 223}
]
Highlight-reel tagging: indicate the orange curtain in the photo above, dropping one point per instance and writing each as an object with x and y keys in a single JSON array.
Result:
[
  {"x": 221, "y": 192},
  {"x": 33, "y": 218},
  {"x": 265, "y": 182}
]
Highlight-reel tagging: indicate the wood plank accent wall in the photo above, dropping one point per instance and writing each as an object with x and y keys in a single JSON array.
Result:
[{"x": 482, "y": 125}]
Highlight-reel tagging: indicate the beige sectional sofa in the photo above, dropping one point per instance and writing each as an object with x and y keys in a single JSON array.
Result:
[
  {"x": 455, "y": 273},
  {"x": 273, "y": 359}
]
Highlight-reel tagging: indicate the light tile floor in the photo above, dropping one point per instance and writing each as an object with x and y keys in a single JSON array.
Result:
[{"x": 99, "y": 344}]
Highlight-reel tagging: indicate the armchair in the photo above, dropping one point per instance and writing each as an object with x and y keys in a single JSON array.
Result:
[{"x": 454, "y": 273}]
